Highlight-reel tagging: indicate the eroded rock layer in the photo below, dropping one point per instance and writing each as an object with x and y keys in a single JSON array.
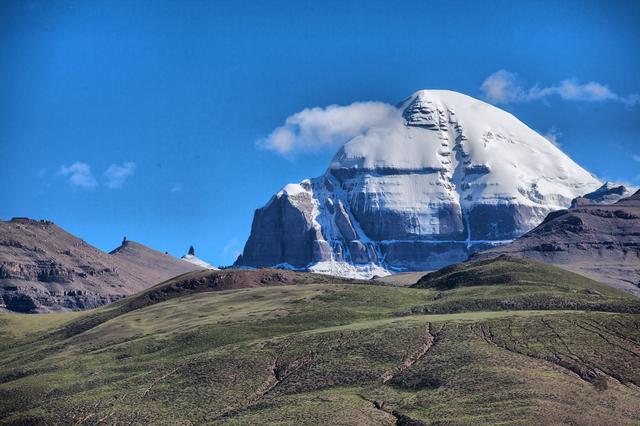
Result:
[
  {"x": 597, "y": 240},
  {"x": 44, "y": 268}
]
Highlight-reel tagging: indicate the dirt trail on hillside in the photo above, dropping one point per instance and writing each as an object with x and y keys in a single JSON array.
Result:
[{"x": 416, "y": 356}]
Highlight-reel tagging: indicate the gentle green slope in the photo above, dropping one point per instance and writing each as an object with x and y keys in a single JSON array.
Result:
[
  {"x": 511, "y": 271},
  {"x": 303, "y": 349}
]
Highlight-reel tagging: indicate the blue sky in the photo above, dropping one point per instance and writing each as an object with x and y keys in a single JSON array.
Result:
[{"x": 143, "y": 118}]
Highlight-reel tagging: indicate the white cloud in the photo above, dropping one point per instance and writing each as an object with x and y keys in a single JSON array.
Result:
[
  {"x": 233, "y": 248},
  {"x": 636, "y": 158},
  {"x": 574, "y": 91},
  {"x": 79, "y": 174},
  {"x": 175, "y": 188},
  {"x": 553, "y": 135},
  {"x": 315, "y": 128},
  {"x": 117, "y": 174},
  {"x": 503, "y": 87}
]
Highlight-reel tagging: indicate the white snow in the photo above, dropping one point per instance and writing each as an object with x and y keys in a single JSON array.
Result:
[
  {"x": 348, "y": 270},
  {"x": 341, "y": 269},
  {"x": 518, "y": 158},
  {"x": 292, "y": 189},
  {"x": 197, "y": 261}
]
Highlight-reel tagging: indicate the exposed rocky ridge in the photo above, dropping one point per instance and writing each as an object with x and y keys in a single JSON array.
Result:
[
  {"x": 600, "y": 241},
  {"x": 450, "y": 176},
  {"x": 608, "y": 193},
  {"x": 44, "y": 268}
]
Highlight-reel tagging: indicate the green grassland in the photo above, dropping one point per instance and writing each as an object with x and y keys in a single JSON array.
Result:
[{"x": 492, "y": 342}]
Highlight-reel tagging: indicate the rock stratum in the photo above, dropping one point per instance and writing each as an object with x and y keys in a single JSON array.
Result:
[
  {"x": 596, "y": 240},
  {"x": 447, "y": 176},
  {"x": 43, "y": 268}
]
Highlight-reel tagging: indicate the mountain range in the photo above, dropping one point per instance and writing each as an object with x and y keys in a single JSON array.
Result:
[
  {"x": 43, "y": 268},
  {"x": 528, "y": 330},
  {"x": 446, "y": 178}
]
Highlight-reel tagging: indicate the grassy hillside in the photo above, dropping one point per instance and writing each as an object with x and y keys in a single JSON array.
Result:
[{"x": 305, "y": 349}]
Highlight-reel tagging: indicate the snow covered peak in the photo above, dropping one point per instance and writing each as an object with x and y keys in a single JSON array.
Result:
[
  {"x": 440, "y": 177},
  {"x": 293, "y": 189},
  {"x": 197, "y": 261},
  {"x": 486, "y": 153}
]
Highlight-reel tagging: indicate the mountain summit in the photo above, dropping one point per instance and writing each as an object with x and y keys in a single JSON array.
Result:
[
  {"x": 446, "y": 176},
  {"x": 193, "y": 259}
]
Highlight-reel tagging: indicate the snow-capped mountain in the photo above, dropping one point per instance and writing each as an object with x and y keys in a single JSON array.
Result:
[
  {"x": 450, "y": 175},
  {"x": 191, "y": 258}
]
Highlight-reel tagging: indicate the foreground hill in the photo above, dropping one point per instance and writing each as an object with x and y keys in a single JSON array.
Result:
[
  {"x": 601, "y": 241},
  {"x": 260, "y": 347},
  {"x": 44, "y": 268},
  {"x": 441, "y": 176}
]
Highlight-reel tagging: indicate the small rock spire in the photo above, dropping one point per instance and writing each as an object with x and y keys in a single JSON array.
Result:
[{"x": 192, "y": 251}]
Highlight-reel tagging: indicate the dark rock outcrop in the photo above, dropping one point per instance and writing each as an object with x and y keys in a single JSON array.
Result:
[{"x": 608, "y": 193}]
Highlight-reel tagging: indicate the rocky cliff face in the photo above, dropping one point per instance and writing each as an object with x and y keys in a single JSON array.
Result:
[
  {"x": 43, "y": 268},
  {"x": 449, "y": 176},
  {"x": 600, "y": 241}
]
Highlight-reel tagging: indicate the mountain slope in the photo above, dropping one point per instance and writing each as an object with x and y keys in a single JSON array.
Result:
[
  {"x": 513, "y": 273},
  {"x": 305, "y": 349},
  {"x": 447, "y": 176},
  {"x": 44, "y": 268},
  {"x": 600, "y": 241}
]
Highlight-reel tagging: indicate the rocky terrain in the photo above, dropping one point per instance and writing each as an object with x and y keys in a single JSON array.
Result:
[
  {"x": 498, "y": 341},
  {"x": 608, "y": 193},
  {"x": 447, "y": 176},
  {"x": 601, "y": 241},
  {"x": 44, "y": 268}
]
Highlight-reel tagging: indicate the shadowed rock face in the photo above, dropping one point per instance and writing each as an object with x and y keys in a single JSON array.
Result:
[
  {"x": 607, "y": 194},
  {"x": 43, "y": 268},
  {"x": 282, "y": 232},
  {"x": 447, "y": 177},
  {"x": 600, "y": 241}
]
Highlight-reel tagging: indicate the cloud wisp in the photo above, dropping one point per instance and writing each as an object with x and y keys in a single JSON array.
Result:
[
  {"x": 232, "y": 249},
  {"x": 553, "y": 135},
  {"x": 79, "y": 175},
  {"x": 316, "y": 128},
  {"x": 116, "y": 175},
  {"x": 504, "y": 87}
]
